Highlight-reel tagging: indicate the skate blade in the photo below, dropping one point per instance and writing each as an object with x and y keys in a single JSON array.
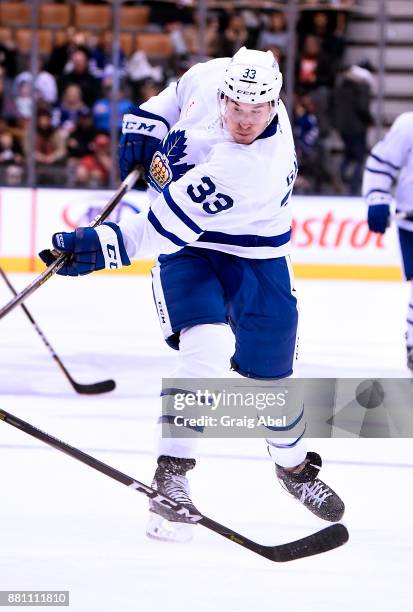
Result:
[{"x": 159, "y": 528}]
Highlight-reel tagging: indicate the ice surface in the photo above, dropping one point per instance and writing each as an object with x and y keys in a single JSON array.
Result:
[{"x": 64, "y": 526}]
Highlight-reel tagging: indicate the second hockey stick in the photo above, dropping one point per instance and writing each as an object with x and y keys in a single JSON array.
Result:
[
  {"x": 57, "y": 265},
  {"x": 321, "y": 541},
  {"x": 103, "y": 386}
]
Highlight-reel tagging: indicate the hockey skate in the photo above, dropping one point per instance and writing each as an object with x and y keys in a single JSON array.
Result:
[
  {"x": 312, "y": 492},
  {"x": 170, "y": 480}
]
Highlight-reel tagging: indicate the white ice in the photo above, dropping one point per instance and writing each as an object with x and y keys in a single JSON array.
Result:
[{"x": 65, "y": 526}]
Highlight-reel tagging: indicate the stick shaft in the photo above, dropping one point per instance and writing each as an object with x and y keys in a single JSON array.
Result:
[
  {"x": 33, "y": 322},
  {"x": 60, "y": 261},
  {"x": 321, "y": 541},
  {"x": 100, "y": 387}
]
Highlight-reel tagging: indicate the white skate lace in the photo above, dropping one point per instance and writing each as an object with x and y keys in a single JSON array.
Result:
[
  {"x": 314, "y": 492},
  {"x": 176, "y": 487}
]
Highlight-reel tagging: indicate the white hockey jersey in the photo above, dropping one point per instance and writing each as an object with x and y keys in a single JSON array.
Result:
[
  {"x": 389, "y": 168},
  {"x": 206, "y": 190}
]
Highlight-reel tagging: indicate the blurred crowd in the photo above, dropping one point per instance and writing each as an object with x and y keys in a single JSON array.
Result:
[{"x": 73, "y": 91}]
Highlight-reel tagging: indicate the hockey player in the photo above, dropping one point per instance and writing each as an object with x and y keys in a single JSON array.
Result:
[
  {"x": 221, "y": 177},
  {"x": 390, "y": 164}
]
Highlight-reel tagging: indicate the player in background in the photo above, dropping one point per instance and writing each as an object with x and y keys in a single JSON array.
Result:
[
  {"x": 221, "y": 176},
  {"x": 389, "y": 170}
]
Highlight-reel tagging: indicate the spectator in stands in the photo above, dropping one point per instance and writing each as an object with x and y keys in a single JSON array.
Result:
[
  {"x": 45, "y": 87},
  {"x": 275, "y": 35},
  {"x": 79, "y": 141},
  {"x": 50, "y": 150},
  {"x": 352, "y": 118},
  {"x": 93, "y": 169},
  {"x": 191, "y": 38},
  {"x": 23, "y": 98},
  {"x": 331, "y": 34},
  {"x": 11, "y": 159},
  {"x": 315, "y": 175},
  {"x": 314, "y": 67},
  {"x": 139, "y": 70},
  {"x": 2, "y": 93},
  {"x": 61, "y": 54},
  {"x": 68, "y": 112},
  {"x": 254, "y": 21},
  {"x": 79, "y": 74},
  {"x": 101, "y": 56},
  {"x": 101, "y": 110},
  {"x": 234, "y": 36},
  {"x": 8, "y": 56}
]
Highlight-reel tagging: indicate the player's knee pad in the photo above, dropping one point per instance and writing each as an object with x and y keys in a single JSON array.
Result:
[{"x": 205, "y": 351}]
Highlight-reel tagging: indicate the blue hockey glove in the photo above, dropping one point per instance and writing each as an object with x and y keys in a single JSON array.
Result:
[
  {"x": 141, "y": 134},
  {"x": 378, "y": 217},
  {"x": 91, "y": 249}
]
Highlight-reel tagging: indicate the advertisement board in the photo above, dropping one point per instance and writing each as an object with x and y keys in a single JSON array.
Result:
[{"x": 330, "y": 237}]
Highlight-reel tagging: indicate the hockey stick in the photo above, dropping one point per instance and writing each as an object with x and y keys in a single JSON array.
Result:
[
  {"x": 100, "y": 387},
  {"x": 125, "y": 186},
  {"x": 321, "y": 541}
]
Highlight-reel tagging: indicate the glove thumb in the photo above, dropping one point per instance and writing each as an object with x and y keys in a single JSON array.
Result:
[{"x": 47, "y": 257}]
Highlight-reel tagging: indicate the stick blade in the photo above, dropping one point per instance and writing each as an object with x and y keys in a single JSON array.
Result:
[
  {"x": 105, "y": 386},
  {"x": 322, "y": 541}
]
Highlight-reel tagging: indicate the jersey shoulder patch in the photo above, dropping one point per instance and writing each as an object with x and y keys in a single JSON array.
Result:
[{"x": 166, "y": 165}]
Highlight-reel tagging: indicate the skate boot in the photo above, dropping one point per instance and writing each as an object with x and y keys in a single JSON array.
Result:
[
  {"x": 313, "y": 493},
  {"x": 170, "y": 480}
]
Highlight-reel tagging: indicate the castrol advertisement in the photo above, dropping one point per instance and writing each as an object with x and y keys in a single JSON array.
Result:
[
  {"x": 330, "y": 236},
  {"x": 331, "y": 239}
]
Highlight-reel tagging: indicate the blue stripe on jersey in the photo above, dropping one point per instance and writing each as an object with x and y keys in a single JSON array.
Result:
[
  {"x": 180, "y": 213},
  {"x": 287, "y": 427},
  {"x": 381, "y": 172},
  {"x": 246, "y": 240},
  {"x": 285, "y": 198},
  {"x": 161, "y": 230},
  {"x": 409, "y": 322},
  {"x": 140, "y": 112},
  {"x": 384, "y": 161}
]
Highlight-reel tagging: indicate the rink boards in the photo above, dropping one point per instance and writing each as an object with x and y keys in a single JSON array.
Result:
[{"x": 330, "y": 235}]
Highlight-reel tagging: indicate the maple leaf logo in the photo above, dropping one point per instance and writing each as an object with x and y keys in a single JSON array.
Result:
[{"x": 171, "y": 151}]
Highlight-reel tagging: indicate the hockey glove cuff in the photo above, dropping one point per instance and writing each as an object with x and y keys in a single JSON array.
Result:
[
  {"x": 91, "y": 249},
  {"x": 141, "y": 134}
]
